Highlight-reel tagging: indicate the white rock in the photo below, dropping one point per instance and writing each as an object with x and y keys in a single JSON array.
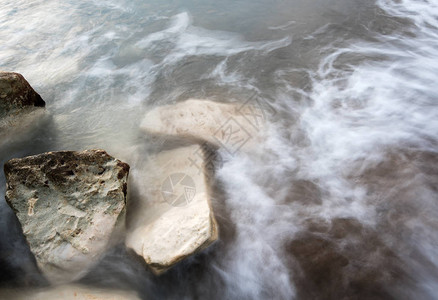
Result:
[
  {"x": 176, "y": 219},
  {"x": 68, "y": 292},
  {"x": 68, "y": 204},
  {"x": 231, "y": 126}
]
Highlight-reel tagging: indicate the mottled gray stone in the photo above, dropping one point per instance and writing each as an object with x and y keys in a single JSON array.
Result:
[{"x": 68, "y": 204}]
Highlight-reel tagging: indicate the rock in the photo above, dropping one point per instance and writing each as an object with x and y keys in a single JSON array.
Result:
[
  {"x": 68, "y": 204},
  {"x": 228, "y": 125},
  {"x": 20, "y": 107},
  {"x": 176, "y": 220},
  {"x": 68, "y": 292},
  {"x": 16, "y": 94},
  {"x": 343, "y": 259}
]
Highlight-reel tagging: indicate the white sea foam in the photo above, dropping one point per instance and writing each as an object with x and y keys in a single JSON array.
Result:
[
  {"x": 184, "y": 40},
  {"x": 356, "y": 115}
]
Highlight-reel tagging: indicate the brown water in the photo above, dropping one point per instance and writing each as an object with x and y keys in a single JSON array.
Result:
[{"x": 340, "y": 202}]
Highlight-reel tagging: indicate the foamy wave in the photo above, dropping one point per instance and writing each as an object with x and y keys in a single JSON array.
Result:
[{"x": 183, "y": 39}]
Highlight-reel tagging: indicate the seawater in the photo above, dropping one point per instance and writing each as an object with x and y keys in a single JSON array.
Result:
[{"x": 340, "y": 202}]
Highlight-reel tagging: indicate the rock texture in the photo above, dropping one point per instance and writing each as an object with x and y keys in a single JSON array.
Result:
[
  {"x": 69, "y": 292},
  {"x": 16, "y": 94},
  {"x": 20, "y": 108},
  {"x": 68, "y": 204},
  {"x": 176, "y": 220},
  {"x": 231, "y": 126}
]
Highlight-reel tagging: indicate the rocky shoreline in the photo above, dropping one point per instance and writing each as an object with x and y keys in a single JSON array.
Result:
[{"x": 70, "y": 203}]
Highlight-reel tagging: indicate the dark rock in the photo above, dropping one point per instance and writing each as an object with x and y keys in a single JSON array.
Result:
[
  {"x": 16, "y": 94},
  {"x": 343, "y": 259}
]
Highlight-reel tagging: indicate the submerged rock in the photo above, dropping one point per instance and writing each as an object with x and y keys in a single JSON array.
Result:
[
  {"x": 69, "y": 292},
  {"x": 227, "y": 125},
  {"x": 176, "y": 220},
  {"x": 20, "y": 105},
  {"x": 68, "y": 204},
  {"x": 16, "y": 94}
]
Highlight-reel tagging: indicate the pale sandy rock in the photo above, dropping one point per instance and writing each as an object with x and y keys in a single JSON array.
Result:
[
  {"x": 16, "y": 94},
  {"x": 68, "y": 204},
  {"x": 176, "y": 219},
  {"x": 68, "y": 292},
  {"x": 228, "y": 125}
]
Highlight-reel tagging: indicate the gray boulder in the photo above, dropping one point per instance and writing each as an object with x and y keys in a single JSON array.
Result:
[{"x": 68, "y": 204}]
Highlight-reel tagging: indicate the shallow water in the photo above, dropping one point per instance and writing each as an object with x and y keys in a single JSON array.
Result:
[{"x": 338, "y": 203}]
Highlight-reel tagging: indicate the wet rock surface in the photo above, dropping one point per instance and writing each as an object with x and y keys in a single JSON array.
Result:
[
  {"x": 16, "y": 94},
  {"x": 20, "y": 108},
  {"x": 232, "y": 126},
  {"x": 174, "y": 218},
  {"x": 68, "y": 204}
]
